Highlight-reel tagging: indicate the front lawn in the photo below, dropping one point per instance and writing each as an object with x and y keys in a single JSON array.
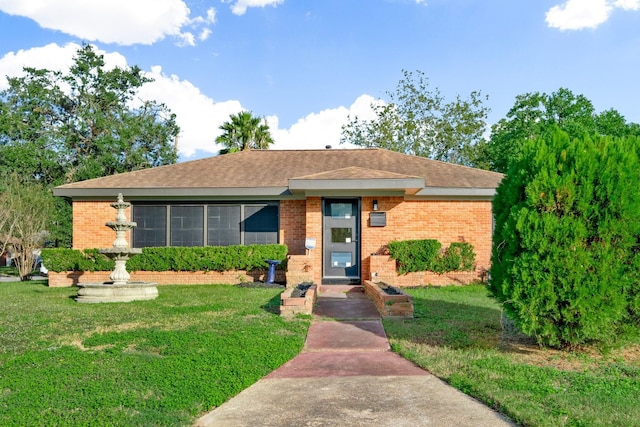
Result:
[
  {"x": 160, "y": 362},
  {"x": 457, "y": 336}
]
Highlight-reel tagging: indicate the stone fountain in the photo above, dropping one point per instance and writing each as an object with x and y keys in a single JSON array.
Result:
[{"x": 119, "y": 289}]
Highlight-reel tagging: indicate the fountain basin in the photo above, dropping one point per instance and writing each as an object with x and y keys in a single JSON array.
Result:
[{"x": 111, "y": 292}]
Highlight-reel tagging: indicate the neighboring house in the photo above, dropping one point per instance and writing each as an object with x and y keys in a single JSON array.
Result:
[{"x": 349, "y": 202}]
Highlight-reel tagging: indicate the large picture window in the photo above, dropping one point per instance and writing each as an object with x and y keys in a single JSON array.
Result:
[{"x": 193, "y": 224}]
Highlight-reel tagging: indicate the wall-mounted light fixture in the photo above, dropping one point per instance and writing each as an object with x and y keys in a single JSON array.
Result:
[{"x": 375, "y": 205}]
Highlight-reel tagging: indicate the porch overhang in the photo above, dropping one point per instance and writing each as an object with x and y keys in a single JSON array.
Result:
[
  {"x": 409, "y": 186},
  {"x": 356, "y": 179}
]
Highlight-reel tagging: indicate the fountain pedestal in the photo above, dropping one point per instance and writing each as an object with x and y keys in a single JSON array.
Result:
[{"x": 120, "y": 289}]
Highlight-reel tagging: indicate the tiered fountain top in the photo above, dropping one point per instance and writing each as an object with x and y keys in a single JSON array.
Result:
[{"x": 121, "y": 226}]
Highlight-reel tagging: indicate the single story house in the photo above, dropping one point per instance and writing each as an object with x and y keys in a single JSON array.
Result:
[{"x": 335, "y": 209}]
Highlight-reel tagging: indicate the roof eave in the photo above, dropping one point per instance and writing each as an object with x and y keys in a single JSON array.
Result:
[
  {"x": 457, "y": 192},
  {"x": 171, "y": 192}
]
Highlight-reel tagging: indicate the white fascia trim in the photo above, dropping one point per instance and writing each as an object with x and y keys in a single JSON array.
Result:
[
  {"x": 171, "y": 192},
  {"x": 456, "y": 192}
]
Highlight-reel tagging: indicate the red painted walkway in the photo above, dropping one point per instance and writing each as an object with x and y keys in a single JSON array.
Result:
[{"x": 347, "y": 376}]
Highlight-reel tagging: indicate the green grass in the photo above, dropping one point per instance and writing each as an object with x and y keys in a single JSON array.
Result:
[
  {"x": 9, "y": 271},
  {"x": 151, "y": 363},
  {"x": 457, "y": 336}
]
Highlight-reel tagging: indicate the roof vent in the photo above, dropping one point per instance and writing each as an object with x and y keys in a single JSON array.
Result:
[{"x": 328, "y": 147}]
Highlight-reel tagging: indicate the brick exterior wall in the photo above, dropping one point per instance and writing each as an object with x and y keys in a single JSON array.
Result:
[
  {"x": 445, "y": 220},
  {"x": 292, "y": 225},
  {"x": 299, "y": 270},
  {"x": 89, "y": 229},
  {"x": 383, "y": 269},
  {"x": 314, "y": 230}
]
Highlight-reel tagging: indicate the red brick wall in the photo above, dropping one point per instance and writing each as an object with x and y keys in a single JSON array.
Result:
[
  {"x": 447, "y": 221},
  {"x": 444, "y": 220},
  {"x": 314, "y": 230},
  {"x": 89, "y": 229},
  {"x": 292, "y": 225}
]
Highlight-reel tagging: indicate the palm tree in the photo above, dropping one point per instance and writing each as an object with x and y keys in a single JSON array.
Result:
[{"x": 244, "y": 132}]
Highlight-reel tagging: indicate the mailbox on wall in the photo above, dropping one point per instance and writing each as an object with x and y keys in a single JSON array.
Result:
[{"x": 377, "y": 219}]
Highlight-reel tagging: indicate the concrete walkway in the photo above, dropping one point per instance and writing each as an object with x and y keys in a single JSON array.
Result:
[{"x": 346, "y": 376}]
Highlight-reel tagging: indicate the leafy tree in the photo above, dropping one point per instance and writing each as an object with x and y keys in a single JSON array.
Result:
[
  {"x": 419, "y": 121},
  {"x": 535, "y": 114},
  {"x": 26, "y": 212},
  {"x": 57, "y": 127},
  {"x": 244, "y": 132},
  {"x": 565, "y": 259}
]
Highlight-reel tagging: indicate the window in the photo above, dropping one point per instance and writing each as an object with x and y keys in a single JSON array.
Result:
[
  {"x": 187, "y": 226},
  {"x": 260, "y": 225},
  {"x": 152, "y": 226},
  {"x": 341, "y": 210},
  {"x": 223, "y": 225},
  {"x": 220, "y": 224}
]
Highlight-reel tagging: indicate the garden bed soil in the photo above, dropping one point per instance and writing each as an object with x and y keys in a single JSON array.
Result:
[
  {"x": 261, "y": 285},
  {"x": 300, "y": 291}
]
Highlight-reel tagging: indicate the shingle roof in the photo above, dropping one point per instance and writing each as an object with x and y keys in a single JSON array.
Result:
[
  {"x": 260, "y": 169},
  {"x": 355, "y": 172}
]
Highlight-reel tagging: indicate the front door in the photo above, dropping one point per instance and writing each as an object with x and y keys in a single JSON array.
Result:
[{"x": 341, "y": 235}]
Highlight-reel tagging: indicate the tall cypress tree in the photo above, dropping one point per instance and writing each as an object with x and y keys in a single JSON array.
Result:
[{"x": 564, "y": 260}]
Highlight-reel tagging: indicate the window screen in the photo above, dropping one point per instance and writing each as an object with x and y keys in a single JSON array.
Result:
[
  {"x": 152, "y": 226},
  {"x": 223, "y": 225},
  {"x": 260, "y": 225},
  {"x": 187, "y": 225}
]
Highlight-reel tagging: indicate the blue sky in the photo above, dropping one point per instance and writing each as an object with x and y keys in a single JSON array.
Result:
[{"x": 305, "y": 65}]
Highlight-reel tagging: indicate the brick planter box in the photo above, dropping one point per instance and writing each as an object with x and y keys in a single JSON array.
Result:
[
  {"x": 290, "y": 307},
  {"x": 389, "y": 305}
]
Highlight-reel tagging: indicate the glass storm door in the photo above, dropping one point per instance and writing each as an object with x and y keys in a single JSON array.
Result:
[{"x": 341, "y": 239}]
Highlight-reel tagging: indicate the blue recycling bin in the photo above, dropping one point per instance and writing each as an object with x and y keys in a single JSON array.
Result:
[{"x": 271, "y": 277}]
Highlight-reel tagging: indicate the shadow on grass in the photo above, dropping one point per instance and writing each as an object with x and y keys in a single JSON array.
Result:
[
  {"x": 455, "y": 325},
  {"x": 273, "y": 305}
]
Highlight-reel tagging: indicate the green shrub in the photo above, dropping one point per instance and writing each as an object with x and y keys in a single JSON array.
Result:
[
  {"x": 59, "y": 259},
  {"x": 565, "y": 246},
  {"x": 175, "y": 258},
  {"x": 459, "y": 256},
  {"x": 427, "y": 255}
]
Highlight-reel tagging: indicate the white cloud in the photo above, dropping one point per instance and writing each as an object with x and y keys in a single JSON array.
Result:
[
  {"x": 197, "y": 115},
  {"x": 628, "y": 4},
  {"x": 124, "y": 22},
  {"x": 51, "y": 57},
  {"x": 240, "y": 6},
  {"x": 580, "y": 14},
  {"x": 317, "y": 130},
  {"x": 204, "y": 34}
]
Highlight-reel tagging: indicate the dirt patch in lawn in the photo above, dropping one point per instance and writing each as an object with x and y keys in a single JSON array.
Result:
[{"x": 528, "y": 351}]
